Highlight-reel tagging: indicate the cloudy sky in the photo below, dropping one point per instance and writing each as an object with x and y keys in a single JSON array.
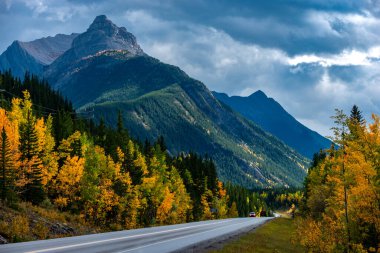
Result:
[{"x": 311, "y": 56}]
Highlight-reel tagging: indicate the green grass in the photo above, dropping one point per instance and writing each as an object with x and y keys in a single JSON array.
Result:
[{"x": 275, "y": 236}]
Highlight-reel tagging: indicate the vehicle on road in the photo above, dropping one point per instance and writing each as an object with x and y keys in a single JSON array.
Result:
[
  {"x": 263, "y": 213},
  {"x": 252, "y": 214}
]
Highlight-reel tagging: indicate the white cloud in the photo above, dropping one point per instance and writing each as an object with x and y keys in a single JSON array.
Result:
[
  {"x": 331, "y": 88},
  {"x": 37, "y": 6},
  {"x": 53, "y": 10},
  {"x": 346, "y": 58}
]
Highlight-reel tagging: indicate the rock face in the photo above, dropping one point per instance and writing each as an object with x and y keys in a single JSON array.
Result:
[
  {"x": 34, "y": 55},
  {"x": 272, "y": 117},
  {"x": 19, "y": 60},
  {"x": 101, "y": 36},
  {"x": 3, "y": 240},
  {"x": 104, "y": 35},
  {"x": 47, "y": 50}
]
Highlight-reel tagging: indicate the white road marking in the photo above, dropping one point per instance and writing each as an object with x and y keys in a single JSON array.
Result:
[
  {"x": 124, "y": 237},
  {"x": 141, "y": 247}
]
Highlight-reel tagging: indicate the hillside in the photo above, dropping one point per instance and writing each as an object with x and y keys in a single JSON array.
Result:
[
  {"x": 160, "y": 99},
  {"x": 272, "y": 117},
  {"x": 169, "y": 103}
]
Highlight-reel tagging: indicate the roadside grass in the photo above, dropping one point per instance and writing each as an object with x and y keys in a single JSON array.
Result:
[{"x": 273, "y": 237}]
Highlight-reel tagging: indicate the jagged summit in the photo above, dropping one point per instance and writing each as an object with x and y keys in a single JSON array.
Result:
[
  {"x": 258, "y": 93},
  {"x": 101, "y": 22},
  {"x": 101, "y": 35}
]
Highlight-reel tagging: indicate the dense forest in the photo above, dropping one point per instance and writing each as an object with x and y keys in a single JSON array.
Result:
[
  {"x": 341, "y": 207},
  {"x": 50, "y": 154}
]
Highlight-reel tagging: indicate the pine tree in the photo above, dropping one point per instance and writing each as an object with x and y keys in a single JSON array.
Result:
[
  {"x": 5, "y": 165},
  {"x": 120, "y": 126},
  {"x": 102, "y": 134},
  {"x": 356, "y": 123},
  {"x": 31, "y": 161},
  {"x": 356, "y": 116}
]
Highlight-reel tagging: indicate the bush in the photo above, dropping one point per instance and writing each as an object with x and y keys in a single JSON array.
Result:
[
  {"x": 15, "y": 230},
  {"x": 40, "y": 230}
]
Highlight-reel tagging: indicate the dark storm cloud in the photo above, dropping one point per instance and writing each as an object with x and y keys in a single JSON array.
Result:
[
  {"x": 279, "y": 24},
  {"x": 311, "y": 56}
]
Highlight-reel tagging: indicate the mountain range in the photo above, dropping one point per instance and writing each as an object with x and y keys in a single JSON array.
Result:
[
  {"x": 272, "y": 117},
  {"x": 106, "y": 70},
  {"x": 34, "y": 55}
]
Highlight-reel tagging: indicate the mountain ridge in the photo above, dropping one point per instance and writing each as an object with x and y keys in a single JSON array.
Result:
[
  {"x": 272, "y": 117},
  {"x": 34, "y": 55}
]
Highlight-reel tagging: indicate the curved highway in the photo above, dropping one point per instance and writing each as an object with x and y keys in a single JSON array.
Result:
[{"x": 155, "y": 239}]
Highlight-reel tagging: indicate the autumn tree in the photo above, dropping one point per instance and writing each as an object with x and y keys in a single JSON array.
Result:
[
  {"x": 232, "y": 211},
  {"x": 343, "y": 192}
]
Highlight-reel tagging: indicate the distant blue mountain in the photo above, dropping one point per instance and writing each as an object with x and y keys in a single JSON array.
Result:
[
  {"x": 33, "y": 56},
  {"x": 269, "y": 114}
]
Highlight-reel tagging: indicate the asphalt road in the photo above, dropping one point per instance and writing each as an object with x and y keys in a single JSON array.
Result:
[{"x": 155, "y": 239}]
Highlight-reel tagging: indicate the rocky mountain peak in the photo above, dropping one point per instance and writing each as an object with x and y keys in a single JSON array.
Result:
[
  {"x": 102, "y": 35},
  {"x": 104, "y": 24}
]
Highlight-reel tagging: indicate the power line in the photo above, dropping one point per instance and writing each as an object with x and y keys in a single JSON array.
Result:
[{"x": 54, "y": 111}]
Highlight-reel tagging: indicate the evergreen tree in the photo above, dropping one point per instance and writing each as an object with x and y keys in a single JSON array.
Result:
[
  {"x": 161, "y": 143},
  {"x": 31, "y": 161},
  {"x": 101, "y": 133},
  {"x": 356, "y": 123},
  {"x": 120, "y": 126},
  {"x": 5, "y": 165},
  {"x": 356, "y": 116}
]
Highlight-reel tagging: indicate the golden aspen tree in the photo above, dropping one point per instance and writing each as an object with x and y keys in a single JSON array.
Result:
[
  {"x": 67, "y": 183},
  {"x": 182, "y": 204},
  {"x": 165, "y": 207},
  {"x": 343, "y": 193},
  {"x": 46, "y": 144}
]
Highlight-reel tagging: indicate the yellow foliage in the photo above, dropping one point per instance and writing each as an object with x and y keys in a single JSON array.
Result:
[
  {"x": 163, "y": 211},
  {"x": 41, "y": 230},
  {"x": 222, "y": 191},
  {"x": 207, "y": 215},
  {"x": 19, "y": 227},
  {"x": 67, "y": 181},
  {"x": 344, "y": 194}
]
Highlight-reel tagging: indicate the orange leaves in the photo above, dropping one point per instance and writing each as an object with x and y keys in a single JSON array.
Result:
[{"x": 222, "y": 192}]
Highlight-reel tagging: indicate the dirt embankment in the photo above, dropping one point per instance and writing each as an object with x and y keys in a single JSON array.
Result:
[{"x": 25, "y": 222}]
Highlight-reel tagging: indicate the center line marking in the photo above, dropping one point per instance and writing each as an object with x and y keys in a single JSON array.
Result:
[
  {"x": 177, "y": 238},
  {"x": 124, "y": 237}
]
